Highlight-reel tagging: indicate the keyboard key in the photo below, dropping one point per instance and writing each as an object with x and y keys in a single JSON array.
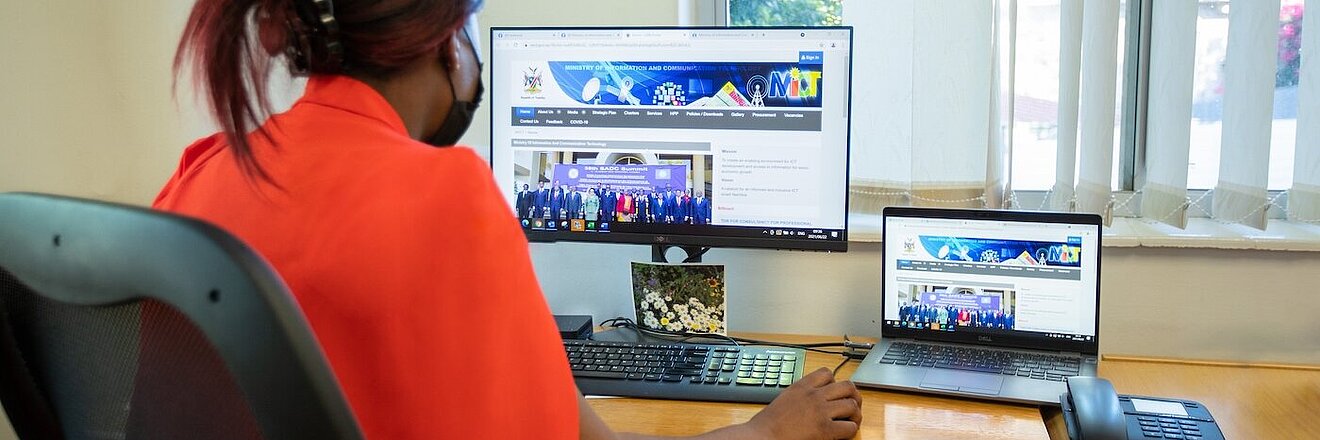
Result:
[
  {"x": 725, "y": 381},
  {"x": 600, "y": 374},
  {"x": 671, "y": 378},
  {"x": 749, "y": 381},
  {"x": 785, "y": 380},
  {"x": 710, "y": 380},
  {"x": 653, "y": 377}
]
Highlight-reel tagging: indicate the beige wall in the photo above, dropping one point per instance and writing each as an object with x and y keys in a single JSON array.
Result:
[
  {"x": 87, "y": 108},
  {"x": 1251, "y": 306}
]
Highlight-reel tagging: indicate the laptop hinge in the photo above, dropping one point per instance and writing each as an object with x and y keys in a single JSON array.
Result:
[{"x": 1071, "y": 353}]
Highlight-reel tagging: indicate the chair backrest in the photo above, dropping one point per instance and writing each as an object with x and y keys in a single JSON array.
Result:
[{"x": 122, "y": 322}]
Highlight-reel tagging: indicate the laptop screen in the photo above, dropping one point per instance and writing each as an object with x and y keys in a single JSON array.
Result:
[{"x": 1025, "y": 277}]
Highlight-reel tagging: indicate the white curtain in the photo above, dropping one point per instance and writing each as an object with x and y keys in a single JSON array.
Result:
[
  {"x": 1096, "y": 119},
  {"x": 1244, "y": 154},
  {"x": 932, "y": 107},
  {"x": 1168, "y": 132},
  {"x": 921, "y": 101},
  {"x": 1070, "y": 75},
  {"x": 1304, "y": 197}
]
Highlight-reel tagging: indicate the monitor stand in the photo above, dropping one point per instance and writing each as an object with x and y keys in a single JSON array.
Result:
[{"x": 694, "y": 253}]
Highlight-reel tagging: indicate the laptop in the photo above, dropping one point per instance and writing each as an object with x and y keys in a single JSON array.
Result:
[{"x": 1000, "y": 305}]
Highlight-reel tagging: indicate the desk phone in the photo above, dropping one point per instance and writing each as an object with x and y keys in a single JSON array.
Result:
[{"x": 1093, "y": 411}]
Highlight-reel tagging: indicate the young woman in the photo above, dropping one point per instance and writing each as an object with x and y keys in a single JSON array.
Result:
[{"x": 406, "y": 261}]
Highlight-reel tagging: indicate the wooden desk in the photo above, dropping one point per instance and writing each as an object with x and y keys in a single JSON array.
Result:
[{"x": 1249, "y": 403}]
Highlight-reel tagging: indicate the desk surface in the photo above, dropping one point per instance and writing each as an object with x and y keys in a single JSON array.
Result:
[{"x": 1248, "y": 402}]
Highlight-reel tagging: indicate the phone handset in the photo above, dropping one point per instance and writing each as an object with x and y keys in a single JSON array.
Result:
[{"x": 1095, "y": 409}]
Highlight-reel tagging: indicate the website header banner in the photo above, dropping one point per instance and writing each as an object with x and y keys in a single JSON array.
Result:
[
  {"x": 1008, "y": 252},
  {"x": 693, "y": 84}
]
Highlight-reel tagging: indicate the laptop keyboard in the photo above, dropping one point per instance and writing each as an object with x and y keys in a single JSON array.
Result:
[{"x": 1009, "y": 363}]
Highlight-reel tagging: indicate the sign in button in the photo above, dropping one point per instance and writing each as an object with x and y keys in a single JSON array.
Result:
[{"x": 811, "y": 58}]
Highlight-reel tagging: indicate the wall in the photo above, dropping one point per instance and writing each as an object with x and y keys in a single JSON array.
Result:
[
  {"x": 87, "y": 108},
  {"x": 1183, "y": 303}
]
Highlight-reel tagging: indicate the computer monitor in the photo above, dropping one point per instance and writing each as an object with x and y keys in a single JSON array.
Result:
[{"x": 674, "y": 136}]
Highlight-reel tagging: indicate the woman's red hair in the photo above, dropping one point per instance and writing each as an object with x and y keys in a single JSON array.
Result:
[{"x": 231, "y": 45}]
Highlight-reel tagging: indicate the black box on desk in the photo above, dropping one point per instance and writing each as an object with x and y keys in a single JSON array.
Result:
[{"x": 574, "y": 326}]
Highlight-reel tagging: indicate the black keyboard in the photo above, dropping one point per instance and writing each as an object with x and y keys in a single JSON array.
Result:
[
  {"x": 720, "y": 373},
  {"x": 1009, "y": 363}
]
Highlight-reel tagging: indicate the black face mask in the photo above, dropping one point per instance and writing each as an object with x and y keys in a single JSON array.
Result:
[{"x": 460, "y": 117}]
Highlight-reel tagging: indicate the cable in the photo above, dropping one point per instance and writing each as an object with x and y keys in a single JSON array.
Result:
[
  {"x": 846, "y": 359},
  {"x": 682, "y": 336}
]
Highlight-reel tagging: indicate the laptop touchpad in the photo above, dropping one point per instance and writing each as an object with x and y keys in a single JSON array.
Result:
[{"x": 967, "y": 382}]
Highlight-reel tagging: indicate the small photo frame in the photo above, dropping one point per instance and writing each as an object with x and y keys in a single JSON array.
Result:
[{"x": 680, "y": 297}]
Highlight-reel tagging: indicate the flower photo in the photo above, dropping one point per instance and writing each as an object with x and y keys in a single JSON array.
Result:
[{"x": 679, "y": 297}]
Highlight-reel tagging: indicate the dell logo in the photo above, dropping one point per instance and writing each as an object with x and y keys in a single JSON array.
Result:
[
  {"x": 661, "y": 240},
  {"x": 984, "y": 339}
]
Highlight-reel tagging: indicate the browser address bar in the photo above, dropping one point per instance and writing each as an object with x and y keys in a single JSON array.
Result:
[{"x": 598, "y": 44}]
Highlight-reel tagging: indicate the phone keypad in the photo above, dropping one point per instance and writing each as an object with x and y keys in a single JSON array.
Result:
[{"x": 1168, "y": 428}]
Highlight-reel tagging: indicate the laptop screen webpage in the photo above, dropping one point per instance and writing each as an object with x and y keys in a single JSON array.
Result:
[{"x": 991, "y": 277}]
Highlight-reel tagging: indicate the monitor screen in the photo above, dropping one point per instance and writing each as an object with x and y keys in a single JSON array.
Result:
[
  {"x": 1024, "y": 276},
  {"x": 685, "y": 136}
]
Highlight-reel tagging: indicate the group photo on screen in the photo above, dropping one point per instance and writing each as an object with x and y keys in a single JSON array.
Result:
[
  {"x": 948, "y": 307},
  {"x": 560, "y": 186}
]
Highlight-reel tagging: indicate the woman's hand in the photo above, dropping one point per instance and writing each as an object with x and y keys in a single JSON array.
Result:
[{"x": 814, "y": 407}]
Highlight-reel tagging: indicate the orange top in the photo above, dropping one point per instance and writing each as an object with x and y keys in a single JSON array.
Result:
[{"x": 409, "y": 266}]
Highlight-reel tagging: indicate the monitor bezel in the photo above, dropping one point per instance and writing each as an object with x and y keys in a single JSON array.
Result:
[
  {"x": 999, "y": 340},
  {"x": 666, "y": 238}
]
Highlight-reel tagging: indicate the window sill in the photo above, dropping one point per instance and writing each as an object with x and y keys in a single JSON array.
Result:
[{"x": 1201, "y": 233}]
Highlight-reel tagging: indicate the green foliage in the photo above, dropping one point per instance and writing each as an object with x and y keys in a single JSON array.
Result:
[
  {"x": 785, "y": 12},
  {"x": 1290, "y": 46}
]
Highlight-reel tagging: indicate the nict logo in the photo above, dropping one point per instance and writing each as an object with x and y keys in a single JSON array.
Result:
[{"x": 795, "y": 83}]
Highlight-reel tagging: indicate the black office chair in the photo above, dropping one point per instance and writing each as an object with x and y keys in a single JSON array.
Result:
[{"x": 122, "y": 322}]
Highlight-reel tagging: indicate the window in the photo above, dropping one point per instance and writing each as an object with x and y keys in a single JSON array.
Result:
[
  {"x": 1212, "y": 24},
  {"x": 1036, "y": 96},
  {"x": 1036, "y": 35},
  {"x": 785, "y": 12}
]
